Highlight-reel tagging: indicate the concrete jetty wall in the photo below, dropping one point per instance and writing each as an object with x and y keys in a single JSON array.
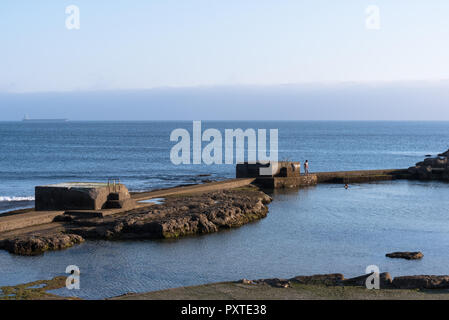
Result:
[
  {"x": 80, "y": 196},
  {"x": 29, "y": 218},
  {"x": 362, "y": 175},
  {"x": 333, "y": 177},
  {"x": 286, "y": 182}
]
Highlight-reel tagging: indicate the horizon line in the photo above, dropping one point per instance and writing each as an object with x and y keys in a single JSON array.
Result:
[
  {"x": 239, "y": 120},
  {"x": 238, "y": 85}
]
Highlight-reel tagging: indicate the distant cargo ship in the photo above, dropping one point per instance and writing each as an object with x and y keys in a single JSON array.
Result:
[{"x": 27, "y": 119}]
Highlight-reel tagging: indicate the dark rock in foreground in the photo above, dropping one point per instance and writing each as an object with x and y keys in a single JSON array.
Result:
[
  {"x": 421, "y": 282},
  {"x": 385, "y": 280},
  {"x": 332, "y": 279},
  {"x": 337, "y": 279},
  {"x": 326, "y": 279},
  {"x": 277, "y": 283},
  {"x": 405, "y": 255},
  {"x": 34, "y": 245},
  {"x": 36, "y": 290}
]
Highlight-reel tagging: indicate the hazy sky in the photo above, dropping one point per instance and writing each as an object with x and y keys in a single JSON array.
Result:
[
  {"x": 227, "y": 59},
  {"x": 156, "y": 43},
  {"x": 398, "y": 101}
]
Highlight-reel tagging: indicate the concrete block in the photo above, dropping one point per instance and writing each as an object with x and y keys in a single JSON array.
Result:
[{"x": 76, "y": 196}]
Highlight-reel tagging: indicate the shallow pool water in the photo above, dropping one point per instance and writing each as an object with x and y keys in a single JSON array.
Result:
[
  {"x": 154, "y": 200},
  {"x": 321, "y": 229}
]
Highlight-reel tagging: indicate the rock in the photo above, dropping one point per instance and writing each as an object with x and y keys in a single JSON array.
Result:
[
  {"x": 421, "y": 282},
  {"x": 208, "y": 180},
  {"x": 275, "y": 282},
  {"x": 326, "y": 279},
  {"x": 436, "y": 168},
  {"x": 34, "y": 245},
  {"x": 245, "y": 281},
  {"x": 180, "y": 216},
  {"x": 405, "y": 255},
  {"x": 177, "y": 216},
  {"x": 384, "y": 280},
  {"x": 444, "y": 154},
  {"x": 337, "y": 279}
]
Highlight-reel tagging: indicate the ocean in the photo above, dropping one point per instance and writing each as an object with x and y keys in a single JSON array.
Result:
[
  {"x": 139, "y": 152},
  {"x": 320, "y": 229}
]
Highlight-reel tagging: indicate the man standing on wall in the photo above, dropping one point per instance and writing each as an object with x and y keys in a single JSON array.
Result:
[{"x": 306, "y": 167}]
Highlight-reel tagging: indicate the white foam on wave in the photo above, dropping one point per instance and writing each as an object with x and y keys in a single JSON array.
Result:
[{"x": 10, "y": 199}]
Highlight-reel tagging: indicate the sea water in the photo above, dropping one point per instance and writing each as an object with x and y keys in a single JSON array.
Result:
[{"x": 320, "y": 229}]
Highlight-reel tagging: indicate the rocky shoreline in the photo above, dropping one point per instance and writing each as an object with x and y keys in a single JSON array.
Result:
[
  {"x": 432, "y": 168},
  {"x": 430, "y": 282},
  {"x": 37, "y": 244},
  {"x": 321, "y": 286},
  {"x": 178, "y": 216}
]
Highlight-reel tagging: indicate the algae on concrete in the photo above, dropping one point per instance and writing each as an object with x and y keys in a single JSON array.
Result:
[{"x": 36, "y": 290}]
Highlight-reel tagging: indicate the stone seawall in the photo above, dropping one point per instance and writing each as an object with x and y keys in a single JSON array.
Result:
[
  {"x": 29, "y": 218},
  {"x": 362, "y": 175},
  {"x": 287, "y": 182}
]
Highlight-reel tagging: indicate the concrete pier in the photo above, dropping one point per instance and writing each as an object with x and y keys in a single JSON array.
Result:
[
  {"x": 30, "y": 218},
  {"x": 27, "y": 219},
  {"x": 362, "y": 175},
  {"x": 81, "y": 196},
  {"x": 286, "y": 182},
  {"x": 277, "y": 174}
]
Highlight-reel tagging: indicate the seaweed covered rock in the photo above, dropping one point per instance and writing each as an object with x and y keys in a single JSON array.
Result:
[
  {"x": 385, "y": 280},
  {"x": 325, "y": 279},
  {"x": 421, "y": 282},
  {"x": 405, "y": 255},
  {"x": 275, "y": 282},
  {"x": 436, "y": 168},
  {"x": 180, "y": 215},
  {"x": 34, "y": 245}
]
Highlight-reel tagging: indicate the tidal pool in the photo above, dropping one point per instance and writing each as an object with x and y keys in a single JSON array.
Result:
[{"x": 322, "y": 229}]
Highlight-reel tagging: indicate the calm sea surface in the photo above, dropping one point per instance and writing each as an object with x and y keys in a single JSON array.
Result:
[{"x": 320, "y": 229}]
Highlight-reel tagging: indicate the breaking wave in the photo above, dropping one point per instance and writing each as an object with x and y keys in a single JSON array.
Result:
[{"x": 11, "y": 199}]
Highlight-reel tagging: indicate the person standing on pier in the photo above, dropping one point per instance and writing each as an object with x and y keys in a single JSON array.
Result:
[{"x": 306, "y": 167}]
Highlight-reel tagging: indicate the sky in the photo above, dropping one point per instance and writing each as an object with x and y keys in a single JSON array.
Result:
[{"x": 154, "y": 45}]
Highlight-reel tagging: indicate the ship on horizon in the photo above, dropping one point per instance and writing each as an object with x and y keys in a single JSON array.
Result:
[{"x": 27, "y": 119}]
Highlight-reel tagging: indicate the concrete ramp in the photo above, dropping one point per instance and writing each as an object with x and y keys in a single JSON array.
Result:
[
  {"x": 27, "y": 219},
  {"x": 207, "y": 187}
]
